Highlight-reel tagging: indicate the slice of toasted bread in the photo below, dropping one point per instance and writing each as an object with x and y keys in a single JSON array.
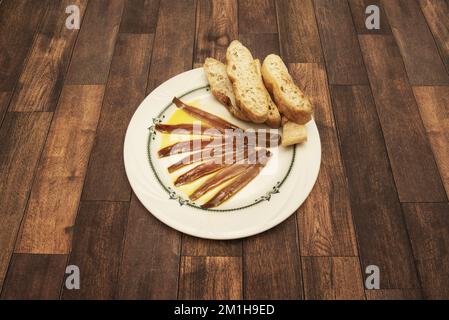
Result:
[
  {"x": 274, "y": 117},
  {"x": 221, "y": 86},
  {"x": 246, "y": 82},
  {"x": 290, "y": 100},
  {"x": 293, "y": 133}
]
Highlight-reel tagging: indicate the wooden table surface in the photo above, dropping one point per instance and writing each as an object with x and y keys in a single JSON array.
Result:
[{"x": 382, "y": 108}]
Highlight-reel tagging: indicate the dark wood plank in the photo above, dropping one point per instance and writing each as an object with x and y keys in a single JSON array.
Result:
[
  {"x": 271, "y": 264},
  {"x": 422, "y": 61},
  {"x": 42, "y": 79},
  {"x": 150, "y": 264},
  {"x": 436, "y": 13},
  {"x": 325, "y": 219},
  {"x": 414, "y": 169},
  {"x": 97, "y": 249},
  {"x": 22, "y": 137},
  {"x": 20, "y": 21},
  {"x": 298, "y": 31},
  {"x": 124, "y": 92},
  {"x": 381, "y": 232},
  {"x": 35, "y": 276},
  {"x": 216, "y": 27},
  {"x": 332, "y": 278},
  {"x": 211, "y": 278},
  {"x": 193, "y": 246},
  {"x": 261, "y": 45},
  {"x": 428, "y": 226},
  {"x": 57, "y": 187},
  {"x": 283, "y": 261},
  {"x": 358, "y": 8},
  {"x": 257, "y": 16},
  {"x": 5, "y": 97},
  {"x": 139, "y": 16},
  {"x": 95, "y": 45},
  {"x": 339, "y": 40},
  {"x": 433, "y": 103},
  {"x": 173, "y": 41},
  {"x": 393, "y": 294}
]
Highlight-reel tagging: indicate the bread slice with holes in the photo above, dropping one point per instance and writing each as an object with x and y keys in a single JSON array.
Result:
[
  {"x": 290, "y": 100},
  {"x": 246, "y": 82},
  {"x": 274, "y": 117},
  {"x": 221, "y": 86},
  {"x": 293, "y": 133}
]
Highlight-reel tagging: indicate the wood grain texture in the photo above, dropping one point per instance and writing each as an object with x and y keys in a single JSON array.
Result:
[
  {"x": 193, "y": 246},
  {"x": 283, "y": 262},
  {"x": 22, "y": 138},
  {"x": 428, "y": 226},
  {"x": 150, "y": 264},
  {"x": 261, "y": 45},
  {"x": 42, "y": 79},
  {"x": 379, "y": 224},
  {"x": 257, "y": 16},
  {"x": 393, "y": 294},
  {"x": 95, "y": 45},
  {"x": 358, "y": 9},
  {"x": 298, "y": 31},
  {"x": 325, "y": 219},
  {"x": 415, "y": 41},
  {"x": 433, "y": 103},
  {"x": 210, "y": 278},
  {"x": 5, "y": 97},
  {"x": 332, "y": 278},
  {"x": 339, "y": 40},
  {"x": 97, "y": 249},
  {"x": 35, "y": 276},
  {"x": 20, "y": 20},
  {"x": 274, "y": 252},
  {"x": 173, "y": 41},
  {"x": 106, "y": 178},
  {"x": 436, "y": 13},
  {"x": 414, "y": 169},
  {"x": 57, "y": 187},
  {"x": 139, "y": 16},
  {"x": 216, "y": 27}
]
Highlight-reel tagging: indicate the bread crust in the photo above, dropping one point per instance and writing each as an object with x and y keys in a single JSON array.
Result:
[
  {"x": 221, "y": 86},
  {"x": 290, "y": 100},
  {"x": 247, "y": 83}
]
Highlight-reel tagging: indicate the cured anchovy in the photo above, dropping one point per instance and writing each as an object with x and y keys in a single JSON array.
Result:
[
  {"x": 221, "y": 177},
  {"x": 186, "y": 146},
  {"x": 189, "y": 129},
  {"x": 202, "y": 115},
  {"x": 213, "y": 165},
  {"x": 199, "y": 171},
  {"x": 215, "y": 152},
  {"x": 235, "y": 186}
]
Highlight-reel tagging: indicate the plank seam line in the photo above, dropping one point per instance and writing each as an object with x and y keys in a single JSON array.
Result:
[
  {"x": 179, "y": 234},
  {"x": 105, "y": 86},
  {"x": 117, "y": 290},
  {"x": 388, "y": 155},
  {"x": 329, "y": 87},
  {"x": 433, "y": 37},
  {"x": 25, "y": 62}
]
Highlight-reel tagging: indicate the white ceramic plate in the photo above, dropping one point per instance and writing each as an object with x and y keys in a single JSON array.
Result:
[{"x": 280, "y": 188}]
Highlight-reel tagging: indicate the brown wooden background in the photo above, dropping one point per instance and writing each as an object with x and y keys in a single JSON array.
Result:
[{"x": 382, "y": 107}]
